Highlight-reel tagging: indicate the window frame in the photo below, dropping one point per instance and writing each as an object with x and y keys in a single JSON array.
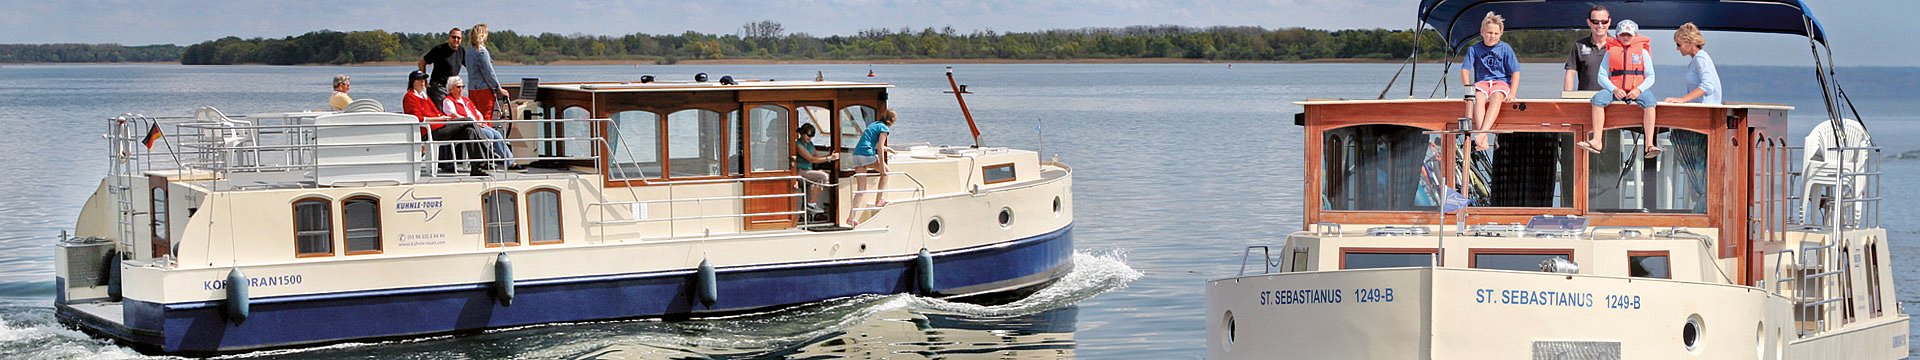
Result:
[
  {"x": 1705, "y": 199},
  {"x": 727, "y": 139},
  {"x": 486, "y": 218},
  {"x": 1473, "y": 254},
  {"x": 659, "y": 142},
  {"x": 559, "y": 215},
  {"x": 1384, "y": 250},
  {"x": 783, "y": 140},
  {"x": 1650, "y": 253},
  {"x": 379, "y": 226},
  {"x": 159, "y": 221},
  {"x": 332, "y": 234},
  {"x": 1010, "y": 169}
]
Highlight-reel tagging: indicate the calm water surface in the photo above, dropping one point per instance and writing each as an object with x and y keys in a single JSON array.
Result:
[{"x": 1178, "y": 168}]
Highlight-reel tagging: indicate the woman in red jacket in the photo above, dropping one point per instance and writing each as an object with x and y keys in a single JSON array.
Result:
[{"x": 443, "y": 127}]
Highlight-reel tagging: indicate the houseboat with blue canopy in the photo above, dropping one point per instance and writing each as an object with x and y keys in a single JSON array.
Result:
[
  {"x": 217, "y": 233},
  {"x": 1737, "y": 242}
]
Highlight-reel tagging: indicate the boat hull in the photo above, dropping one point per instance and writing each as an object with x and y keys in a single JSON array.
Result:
[{"x": 201, "y": 328}]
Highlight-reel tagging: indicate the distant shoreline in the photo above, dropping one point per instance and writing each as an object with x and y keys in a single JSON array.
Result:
[{"x": 918, "y": 61}]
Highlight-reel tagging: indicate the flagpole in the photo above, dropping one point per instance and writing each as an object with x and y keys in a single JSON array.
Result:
[{"x": 957, "y": 92}]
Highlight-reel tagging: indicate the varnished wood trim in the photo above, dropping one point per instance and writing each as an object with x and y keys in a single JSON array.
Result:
[
  {"x": 1474, "y": 253},
  {"x": 379, "y": 225},
  {"x": 1382, "y": 250},
  {"x": 293, "y": 208}
]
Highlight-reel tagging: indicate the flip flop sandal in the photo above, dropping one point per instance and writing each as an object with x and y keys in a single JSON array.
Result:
[
  {"x": 1586, "y": 145},
  {"x": 1653, "y": 152}
]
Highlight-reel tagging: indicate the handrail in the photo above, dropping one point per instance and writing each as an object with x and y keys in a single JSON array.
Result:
[{"x": 1266, "y": 261}]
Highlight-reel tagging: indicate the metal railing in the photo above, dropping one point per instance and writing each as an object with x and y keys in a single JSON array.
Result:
[{"x": 1819, "y": 269}]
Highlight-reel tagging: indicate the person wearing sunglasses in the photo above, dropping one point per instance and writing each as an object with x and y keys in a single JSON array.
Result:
[
  {"x": 1585, "y": 60},
  {"x": 446, "y": 59}
]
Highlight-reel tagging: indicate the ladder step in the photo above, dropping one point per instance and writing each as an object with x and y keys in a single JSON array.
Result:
[
  {"x": 1824, "y": 274},
  {"x": 1821, "y": 302}
]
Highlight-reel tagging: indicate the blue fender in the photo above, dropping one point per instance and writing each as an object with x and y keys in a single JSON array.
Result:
[
  {"x": 238, "y": 305},
  {"x": 503, "y": 279},
  {"x": 707, "y": 283},
  {"x": 923, "y": 272},
  {"x": 112, "y": 280}
]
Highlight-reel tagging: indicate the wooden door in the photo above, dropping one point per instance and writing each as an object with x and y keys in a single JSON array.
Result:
[{"x": 767, "y": 129}]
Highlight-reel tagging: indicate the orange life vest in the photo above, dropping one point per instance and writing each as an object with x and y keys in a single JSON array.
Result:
[{"x": 1624, "y": 67}]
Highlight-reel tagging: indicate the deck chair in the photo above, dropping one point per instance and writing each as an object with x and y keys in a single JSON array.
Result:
[
  {"x": 1825, "y": 167},
  {"x": 364, "y": 105},
  {"x": 229, "y": 133}
]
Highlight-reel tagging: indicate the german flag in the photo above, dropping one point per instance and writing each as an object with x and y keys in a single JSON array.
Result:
[{"x": 153, "y": 136}]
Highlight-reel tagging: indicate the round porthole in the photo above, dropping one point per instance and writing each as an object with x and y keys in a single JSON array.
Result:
[
  {"x": 934, "y": 226},
  {"x": 1006, "y": 218},
  {"x": 1057, "y": 206},
  {"x": 1760, "y": 341},
  {"x": 1226, "y": 322},
  {"x": 1692, "y": 332}
]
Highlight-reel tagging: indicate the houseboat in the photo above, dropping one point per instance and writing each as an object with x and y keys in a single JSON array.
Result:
[
  {"x": 1732, "y": 244},
  {"x": 216, "y": 233}
]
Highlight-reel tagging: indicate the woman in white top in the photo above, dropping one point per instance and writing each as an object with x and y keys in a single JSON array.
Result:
[{"x": 1703, "y": 81}]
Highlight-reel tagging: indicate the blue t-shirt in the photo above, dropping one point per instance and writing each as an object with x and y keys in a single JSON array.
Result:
[
  {"x": 803, "y": 164},
  {"x": 870, "y": 138},
  {"x": 1495, "y": 62},
  {"x": 1702, "y": 75}
]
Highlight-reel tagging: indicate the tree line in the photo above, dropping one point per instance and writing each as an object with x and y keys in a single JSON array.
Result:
[
  {"x": 769, "y": 41},
  {"x": 87, "y": 53}
]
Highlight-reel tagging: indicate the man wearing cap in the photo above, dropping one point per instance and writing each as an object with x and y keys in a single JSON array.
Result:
[
  {"x": 1628, "y": 72},
  {"x": 1586, "y": 56},
  {"x": 446, "y": 59}
]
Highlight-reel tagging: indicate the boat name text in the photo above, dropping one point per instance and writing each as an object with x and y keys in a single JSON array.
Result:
[
  {"x": 282, "y": 280},
  {"x": 1325, "y": 296},
  {"x": 1553, "y": 298}
]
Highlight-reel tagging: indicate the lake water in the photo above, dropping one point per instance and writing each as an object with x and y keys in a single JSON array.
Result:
[{"x": 1179, "y": 167}]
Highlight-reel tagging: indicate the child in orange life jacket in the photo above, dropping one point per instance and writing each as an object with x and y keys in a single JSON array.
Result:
[
  {"x": 1628, "y": 68},
  {"x": 1495, "y": 76}
]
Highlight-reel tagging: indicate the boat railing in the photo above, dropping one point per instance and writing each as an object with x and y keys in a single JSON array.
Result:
[
  {"x": 636, "y": 215},
  {"x": 1266, "y": 260},
  {"x": 1819, "y": 269},
  {"x": 292, "y": 150}
]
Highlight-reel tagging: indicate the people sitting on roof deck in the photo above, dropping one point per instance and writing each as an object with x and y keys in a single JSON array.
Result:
[
  {"x": 1629, "y": 74},
  {"x": 807, "y": 162},
  {"x": 340, "y": 99},
  {"x": 1588, "y": 52},
  {"x": 441, "y": 127},
  {"x": 464, "y": 109},
  {"x": 1495, "y": 74},
  {"x": 1703, "y": 81}
]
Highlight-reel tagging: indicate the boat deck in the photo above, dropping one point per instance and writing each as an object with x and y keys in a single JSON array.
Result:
[{"x": 109, "y": 311}]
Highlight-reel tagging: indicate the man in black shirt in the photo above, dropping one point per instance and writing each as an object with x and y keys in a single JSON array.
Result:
[
  {"x": 1583, "y": 63},
  {"x": 446, "y": 59}
]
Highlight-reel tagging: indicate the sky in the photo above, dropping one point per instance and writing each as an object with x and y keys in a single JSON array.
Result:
[{"x": 1859, "y": 29}]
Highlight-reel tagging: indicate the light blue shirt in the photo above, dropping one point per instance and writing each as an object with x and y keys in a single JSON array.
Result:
[
  {"x": 870, "y": 138},
  {"x": 1606, "y": 73},
  {"x": 1701, "y": 75},
  {"x": 479, "y": 64}
]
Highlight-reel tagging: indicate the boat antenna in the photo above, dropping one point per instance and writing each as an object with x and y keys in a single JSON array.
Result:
[{"x": 958, "y": 93}]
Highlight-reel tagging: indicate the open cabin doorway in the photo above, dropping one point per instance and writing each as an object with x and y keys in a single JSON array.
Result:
[{"x": 775, "y": 184}]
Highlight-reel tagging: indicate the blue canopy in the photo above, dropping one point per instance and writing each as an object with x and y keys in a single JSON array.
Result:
[{"x": 1458, "y": 21}]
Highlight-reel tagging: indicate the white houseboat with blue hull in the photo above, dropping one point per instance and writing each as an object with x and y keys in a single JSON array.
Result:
[
  {"x": 626, "y": 200},
  {"x": 1732, "y": 243}
]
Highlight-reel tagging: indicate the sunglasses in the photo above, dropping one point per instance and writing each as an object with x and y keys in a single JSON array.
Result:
[{"x": 1599, "y": 22}]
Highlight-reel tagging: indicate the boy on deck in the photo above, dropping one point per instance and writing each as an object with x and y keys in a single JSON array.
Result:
[
  {"x": 1495, "y": 76},
  {"x": 1628, "y": 70}
]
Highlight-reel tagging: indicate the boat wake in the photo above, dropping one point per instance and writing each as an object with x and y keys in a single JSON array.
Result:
[{"x": 866, "y": 326}]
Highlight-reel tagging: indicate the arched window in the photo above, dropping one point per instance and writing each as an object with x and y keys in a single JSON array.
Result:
[
  {"x": 635, "y": 145},
  {"x": 312, "y": 227},
  {"x": 698, "y": 143},
  {"x": 502, "y": 217},
  {"x": 361, "y": 218},
  {"x": 157, "y": 221},
  {"x": 543, "y": 216},
  {"x": 572, "y": 129},
  {"x": 1622, "y": 179},
  {"x": 1380, "y": 167},
  {"x": 771, "y": 138},
  {"x": 853, "y": 120}
]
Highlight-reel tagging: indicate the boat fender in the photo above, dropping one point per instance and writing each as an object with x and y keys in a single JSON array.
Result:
[
  {"x": 238, "y": 304},
  {"x": 112, "y": 279},
  {"x": 706, "y": 282},
  {"x": 923, "y": 272},
  {"x": 503, "y": 279}
]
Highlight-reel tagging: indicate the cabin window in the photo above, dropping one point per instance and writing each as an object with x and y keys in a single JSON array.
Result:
[
  {"x": 635, "y": 146},
  {"x": 772, "y": 138},
  {"x": 1649, "y": 264},
  {"x": 1380, "y": 167},
  {"x": 361, "y": 218},
  {"x": 1526, "y": 169},
  {"x": 995, "y": 174},
  {"x": 501, "y": 218},
  {"x": 1385, "y": 258},
  {"x": 574, "y": 129},
  {"x": 1873, "y": 278},
  {"x": 312, "y": 227},
  {"x": 853, "y": 121},
  {"x": 1622, "y": 179},
  {"x": 697, "y": 143},
  {"x": 543, "y": 216},
  {"x": 822, "y": 120},
  {"x": 157, "y": 216},
  {"x": 1515, "y": 259}
]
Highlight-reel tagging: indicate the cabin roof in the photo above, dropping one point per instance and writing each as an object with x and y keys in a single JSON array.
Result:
[
  {"x": 745, "y": 85},
  {"x": 1732, "y": 105}
]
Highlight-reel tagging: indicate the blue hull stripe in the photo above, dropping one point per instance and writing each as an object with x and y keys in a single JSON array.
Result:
[{"x": 199, "y": 327}]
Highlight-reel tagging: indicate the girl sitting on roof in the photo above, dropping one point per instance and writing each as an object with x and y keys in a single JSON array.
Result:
[{"x": 1496, "y": 76}]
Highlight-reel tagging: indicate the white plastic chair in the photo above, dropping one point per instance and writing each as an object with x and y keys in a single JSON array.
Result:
[
  {"x": 1823, "y": 166},
  {"x": 232, "y": 133}
]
